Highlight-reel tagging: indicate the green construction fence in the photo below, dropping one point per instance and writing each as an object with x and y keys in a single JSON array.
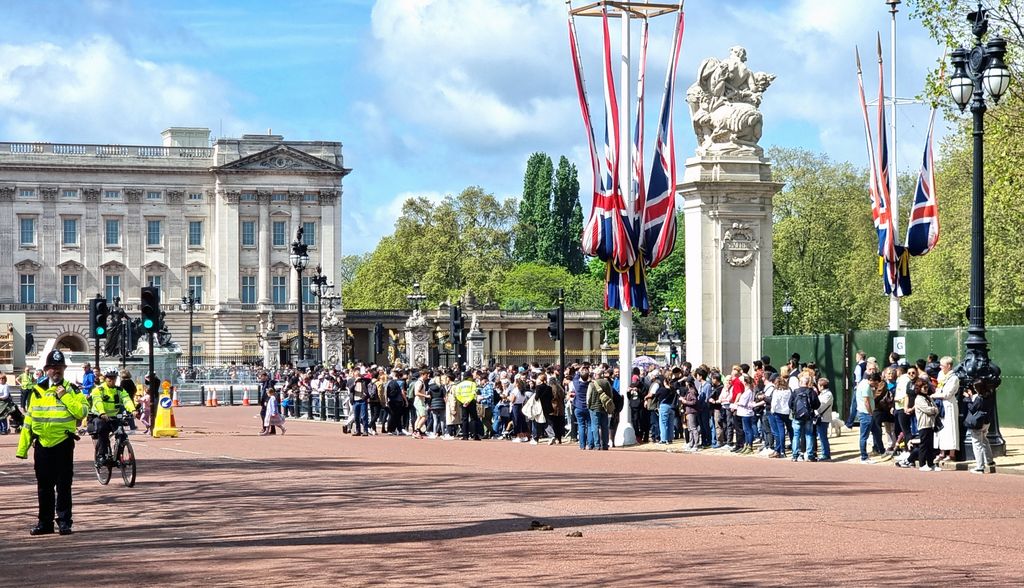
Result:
[{"x": 835, "y": 354}]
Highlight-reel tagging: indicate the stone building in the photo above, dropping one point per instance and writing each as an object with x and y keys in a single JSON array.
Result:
[{"x": 213, "y": 221}]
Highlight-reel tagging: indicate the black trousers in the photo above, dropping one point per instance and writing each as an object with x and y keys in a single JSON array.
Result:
[
  {"x": 103, "y": 429},
  {"x": 470, "y": 421},
  {"x": 54, "y": 471},
  {"x": 395, "y": 413}
]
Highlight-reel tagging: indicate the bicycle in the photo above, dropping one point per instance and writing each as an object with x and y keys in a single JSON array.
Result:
[{"x": 122, "y": 455}]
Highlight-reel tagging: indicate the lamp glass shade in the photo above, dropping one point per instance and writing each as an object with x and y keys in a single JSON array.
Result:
[
  {"x": 787, "y": 307},
  {"x": 960, "y": 88},
  {"x": 997, "y": 80}
]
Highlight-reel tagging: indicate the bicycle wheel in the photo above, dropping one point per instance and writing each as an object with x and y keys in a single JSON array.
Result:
[
  {"x": 126, "y": 461},
  {"x": 103, "y": 473}
]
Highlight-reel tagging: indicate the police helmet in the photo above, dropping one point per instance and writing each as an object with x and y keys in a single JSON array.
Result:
[
  {"x": 56, "y": 359},
  {"x": 110, "y": 374}
]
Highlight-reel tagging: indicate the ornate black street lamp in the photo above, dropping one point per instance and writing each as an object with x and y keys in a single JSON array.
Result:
[
  {"x": 787, "y": 309},
  {"x": 417, "y": 297},
  {"x": 974, "y": 72},
  {"x": 300, "y": 259},
  {"x": 188, "y": 304},
  {"x": 320, "y": 286}
]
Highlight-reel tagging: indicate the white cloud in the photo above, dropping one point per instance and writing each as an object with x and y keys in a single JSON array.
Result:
[
  {"x": 479, "y": 71},
  {"x": 94, "y": 90}
]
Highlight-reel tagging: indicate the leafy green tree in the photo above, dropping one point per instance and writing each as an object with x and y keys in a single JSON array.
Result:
[
  {"x": 825, "y": 247},
  {"x": 575, "y": 261},
  {"x": 462, "y": 243},
  {"x": 559, "y": 245}
]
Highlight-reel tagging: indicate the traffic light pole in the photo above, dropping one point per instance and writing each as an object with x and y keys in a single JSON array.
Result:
[
  {"x": 97, "y": 347},
  {"x": 561, "y": 330},
  {"x": 154, "y": 386}
]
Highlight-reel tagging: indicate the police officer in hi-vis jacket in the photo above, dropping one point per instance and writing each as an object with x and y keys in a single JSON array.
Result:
[{"x": 55, "y": 406}]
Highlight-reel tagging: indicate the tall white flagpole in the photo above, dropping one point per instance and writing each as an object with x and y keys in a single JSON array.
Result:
[
  {"x": 894, "y": 301},
  {"x": 624, "y": 434}
]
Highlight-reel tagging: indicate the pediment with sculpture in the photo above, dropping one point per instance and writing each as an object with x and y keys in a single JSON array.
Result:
[{"x": 282, "y": 159}]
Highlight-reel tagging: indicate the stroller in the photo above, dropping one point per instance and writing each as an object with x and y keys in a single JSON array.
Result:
[{"x": 9, "y": 409}]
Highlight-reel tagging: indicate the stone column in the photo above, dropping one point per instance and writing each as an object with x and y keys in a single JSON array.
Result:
[
  {"x": 334, "y": 339},
  {"x": 227, "y": 244},
  {"x": 475, "y": 348},
  {"x": 330, "y": 227},
  {"x": 48, "y": 238},
  {"x": 265, "y": 245},
  {"x": 417, "y": 340},
  {"x": 93, "y": 243},
  {"x": 728, "y": 221},
  {"x": 174, "y": 240},
  {"x": 7, "y": 244},
  {"x": 531, "y": 343},
  {"x": 296, "y": 216},
  {"x": 271, "y": 349}
]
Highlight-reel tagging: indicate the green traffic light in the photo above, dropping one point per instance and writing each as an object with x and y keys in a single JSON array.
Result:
[
  {"x": 147, "y": 324},
  {"x": 100, "y": 331}
]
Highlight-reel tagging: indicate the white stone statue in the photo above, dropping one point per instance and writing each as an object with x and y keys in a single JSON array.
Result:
[
  {"x": 331, "y": 319},
  {"x": 271, "y": 325},
  {"x": 474, "y": 323},
  {"x": 724, "y": 105}
]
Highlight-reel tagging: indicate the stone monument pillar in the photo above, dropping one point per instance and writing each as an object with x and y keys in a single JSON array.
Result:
[
  {"x": 728, "y": 190},
  {"x": 417, "y": 340},
  {"x": 271, "y": 344},
  {"x": 475, "y": 345},
  {"x": 334, "y": 339}
]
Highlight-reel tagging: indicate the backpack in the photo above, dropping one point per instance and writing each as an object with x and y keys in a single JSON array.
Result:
[{"x": 802, "y": 409}]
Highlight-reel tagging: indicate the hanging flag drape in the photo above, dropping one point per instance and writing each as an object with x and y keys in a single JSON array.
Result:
[
  {"x": 659, "y": 218},
  {"x": 886, "y": 231},
  {"x": 606, "y": 235},
  {"x": 872, "y": 170},
  {"x": 923, "y": 228},
  {"x": 617, "y": 228}
]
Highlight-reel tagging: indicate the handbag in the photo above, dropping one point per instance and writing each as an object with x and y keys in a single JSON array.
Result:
[
  {"x": 938, "y": 424},
  {"x": 276, "y": 420}
]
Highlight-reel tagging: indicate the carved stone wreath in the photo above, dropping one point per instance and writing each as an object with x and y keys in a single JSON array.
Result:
[
  {"x": 739, "y": 245},
  {"x": 279, "y": 162}
]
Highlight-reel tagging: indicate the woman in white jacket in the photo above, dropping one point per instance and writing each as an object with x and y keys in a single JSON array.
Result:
[{"x": 947, "y": 441}]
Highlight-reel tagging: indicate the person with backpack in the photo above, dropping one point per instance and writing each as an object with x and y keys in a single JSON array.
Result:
[
  {"x": 826, "y": 401},
  {"x": 977, "y": 422},
  {"x": 802, "y": 405},
  {"x": 601, "y": 403}
]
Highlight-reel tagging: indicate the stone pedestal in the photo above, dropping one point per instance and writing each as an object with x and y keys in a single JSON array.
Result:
[
  {"x": 271, "y": 349},
  {"x": 728, "y": 227},
  {"x": 665, "y": 349},
  {"x": 417, "y": 340},
  {"x": 475, "y": 349},
  {"x": 333, "y": 327}
]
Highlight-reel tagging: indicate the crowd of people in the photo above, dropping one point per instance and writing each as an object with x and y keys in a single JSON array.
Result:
[{"x": 778, "y": 413}]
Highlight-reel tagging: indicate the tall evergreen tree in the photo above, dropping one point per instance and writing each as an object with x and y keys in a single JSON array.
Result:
[
  {"x": 559, "y": 243},
  {"x": 575, "y": 262},
  {"x": 534, "y": 208}
]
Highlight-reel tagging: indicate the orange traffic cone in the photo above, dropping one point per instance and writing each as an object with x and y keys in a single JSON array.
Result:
[
  {"x": 245, "y": 396},
  {"x": 214, "y": 398},
  {"x": 174, "y": 395}
]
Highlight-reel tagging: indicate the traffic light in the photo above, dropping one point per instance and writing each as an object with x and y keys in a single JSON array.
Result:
[
  {"x": 98, "y": 312},
  {"x": 455, "y": 313},
  {"x": 150, "y": 307},
  {"x": 378, "y": 338},
  {"x": 556, "y": 324},
  {"x": 674, "y": 353}
]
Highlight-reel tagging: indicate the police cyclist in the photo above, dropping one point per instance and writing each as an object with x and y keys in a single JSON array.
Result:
[
  {"x": 54, "y": 408},
  {"x": 108, "y": 401}
]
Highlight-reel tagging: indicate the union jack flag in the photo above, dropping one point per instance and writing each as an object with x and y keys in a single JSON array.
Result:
[
  {"x": 659, "y": 219},
  {"x": 923, "y": 228},
  {"x": 606, "y": 234},
  {"x": 886, "y": 231}
]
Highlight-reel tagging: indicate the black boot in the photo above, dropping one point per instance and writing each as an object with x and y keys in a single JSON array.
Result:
[{"x": 41, "y": 529}]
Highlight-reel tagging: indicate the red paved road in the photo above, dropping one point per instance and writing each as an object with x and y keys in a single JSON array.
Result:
[{"x": 221, "y": 506}]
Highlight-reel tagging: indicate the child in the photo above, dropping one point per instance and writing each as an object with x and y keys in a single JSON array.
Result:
[{"x": 273, "y": 418}]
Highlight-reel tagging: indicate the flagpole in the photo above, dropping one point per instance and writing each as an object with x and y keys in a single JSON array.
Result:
[
  {"x": 894, "y": 301},
  {"x": 625, "y": 435}
]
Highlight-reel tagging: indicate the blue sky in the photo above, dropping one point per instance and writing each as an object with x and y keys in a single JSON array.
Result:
[{"x": 428, "y": 96}]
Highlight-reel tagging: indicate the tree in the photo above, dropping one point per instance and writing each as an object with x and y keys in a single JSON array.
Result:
[
  {"x": 559, "y": 244},
  {"x": 348, "y": 265},
  {"x": 534, "y": 208},
  {"x": 825, "y": 247},
  {"x": 461, "y": 243}
]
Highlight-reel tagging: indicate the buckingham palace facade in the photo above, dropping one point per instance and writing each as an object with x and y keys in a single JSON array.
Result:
[{"x": 212, "y": 220}]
